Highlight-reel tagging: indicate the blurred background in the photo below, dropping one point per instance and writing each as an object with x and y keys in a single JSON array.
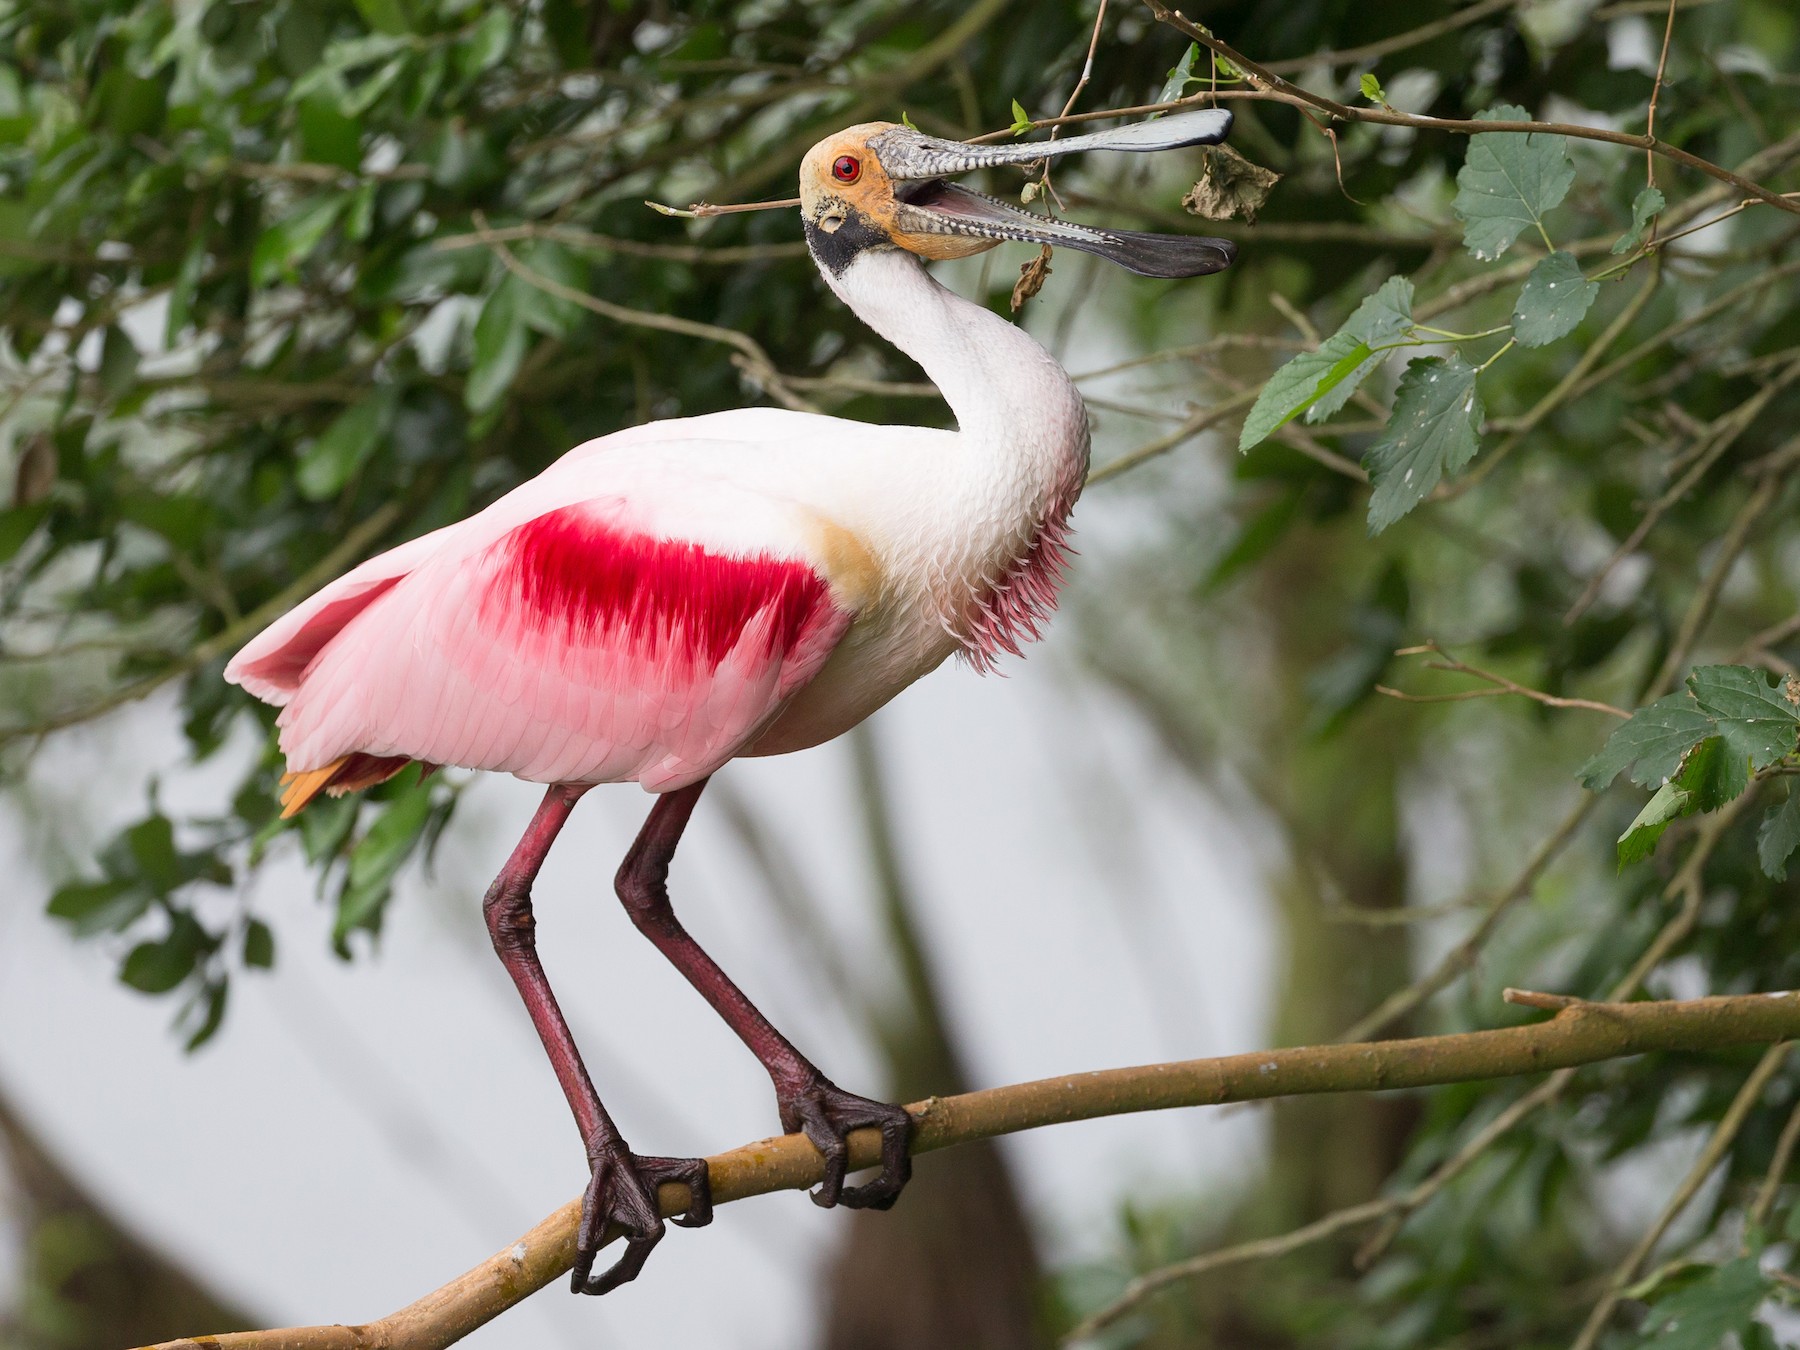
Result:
[{"x": 255, "y": 324}]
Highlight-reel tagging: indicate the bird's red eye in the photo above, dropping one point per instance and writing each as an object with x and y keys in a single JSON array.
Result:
[{"x": 846, "y": 168}]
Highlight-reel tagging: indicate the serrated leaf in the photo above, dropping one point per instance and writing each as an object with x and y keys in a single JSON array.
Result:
[
  {"x": 1435, "y": 429},
  {"x": 1371, "y": 88},
  {"x": 1645, "y": 207},
  {"x": 1379, "y": 320},
  {"x": 1777, "y": 838},
  {"x": 1654, "y": 740},
  {"x": 1555, "y": 298},
  {"x": 1757, "y": 719},
  {"x": 1295, "y": 385},
  {"x": 1711, "y": 774},
  {"x": 1700, "y": 1315},
  {"x": 1509, "y": 182},
  {"x": 1639, "y": 839}
]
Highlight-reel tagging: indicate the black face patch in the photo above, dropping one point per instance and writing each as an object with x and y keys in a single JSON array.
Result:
[{"x": 836, "y": 251}]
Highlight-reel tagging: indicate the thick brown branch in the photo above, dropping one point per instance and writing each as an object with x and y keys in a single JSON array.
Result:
[{"x": 1581, "y": 1034}]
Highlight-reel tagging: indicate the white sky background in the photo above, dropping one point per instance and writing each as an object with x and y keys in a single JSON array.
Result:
[{"x": 358, "y": 1134}]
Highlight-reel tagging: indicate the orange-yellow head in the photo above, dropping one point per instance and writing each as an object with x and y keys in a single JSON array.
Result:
[{"x": 881, "y": 185}]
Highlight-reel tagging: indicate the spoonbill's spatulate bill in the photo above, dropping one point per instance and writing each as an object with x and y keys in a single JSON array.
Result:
[{"x": 665, "y": 599}]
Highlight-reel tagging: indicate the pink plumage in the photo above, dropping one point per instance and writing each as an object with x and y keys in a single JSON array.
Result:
[
  {"x": 570, "y": 648},
  {"x": 663, "y": 599}
]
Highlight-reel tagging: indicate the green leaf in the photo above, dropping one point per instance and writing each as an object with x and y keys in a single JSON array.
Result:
[
  {"x": 259, "y": 945},
  {"x": 1639, "y": 839},
  {"x": 328, "y": 463},
  {"x": 205, "y": 1012},
  {"x": 327, "y": 134},
  {"x": 377, "y": 857},
  {"x": 1758, "y": 720},
  {"x": 1021, "y": 120},
  {"x": 151, "y": 844},
  {"x": 1776, "y": 839},
  {"x": 181, "y": 296},
  {"x": 109, "y": 906},
  {"x": 1179, "y": 76},
  {"x": 1509, "y": 182},
  {"x": 1700, "y": 1315},
  {"x": 1655, "y": 740},
  {"x": 1711, "y": 775},
  {"x": 1555, "y": 298},
  {"x": 157, "y": 967},
  {"x": 1378, "y": 321},
  {"x": 500, "y": 343},
  {"x": 1435, "y": 429},
  {"x": 1320, "y": 382},
  {"x": 1371, "y": 88},
  {"x": 288, "y": 242},
  {"x": 118, "y": 364},
  {"x": 539, "y": 309},
  {"x": 487, "y": 45},
  {"x": 906, "y": 121},
  {"x": 18, "y": 525},
  {"x": 384, "y": 16},
  {"x": 1296, "y": 385},
  {"x": 1645, "y": 207}
]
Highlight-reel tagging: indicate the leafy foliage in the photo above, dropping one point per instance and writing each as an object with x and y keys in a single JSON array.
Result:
[
  {"x": 253, "y": 332},
  {"x": 1509, "y": 184},
  {"x": 1435, "y": 430}
]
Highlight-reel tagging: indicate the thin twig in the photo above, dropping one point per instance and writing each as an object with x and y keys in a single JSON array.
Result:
[
  {"x": 1662, "y": 64},
  {"x": 1277, "y": 89},
  {"x": 1710, "y": 1156},
  {"x": 757, "y": 363},
  {"x": 1764, "y": 1204},
  {"x": 1413, "y": 37},
  {"x": 1725, "y": 435},
  {"x": 1501, "y": 684}
]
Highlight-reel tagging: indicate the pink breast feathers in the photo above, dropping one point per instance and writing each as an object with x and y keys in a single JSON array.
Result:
[{"x": 1015, "y": 608}]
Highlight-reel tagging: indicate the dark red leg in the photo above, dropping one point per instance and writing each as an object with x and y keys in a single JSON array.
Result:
[
  {"x": 622, "y": 1188},
  {"x": 809, "y": 1102}
]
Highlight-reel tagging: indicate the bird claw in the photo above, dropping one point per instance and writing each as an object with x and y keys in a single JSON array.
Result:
[
  {"x": 826, "y": 1115},
  {"x": 622, "y": 1193}
]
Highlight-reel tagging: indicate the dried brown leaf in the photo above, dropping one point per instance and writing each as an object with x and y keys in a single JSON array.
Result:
[
  {"x": 1031, "y": 278},
  {"x": 1230, "y": 186}
]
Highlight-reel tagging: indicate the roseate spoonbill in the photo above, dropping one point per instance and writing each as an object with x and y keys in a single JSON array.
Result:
[{"x": 666, "y": 598}]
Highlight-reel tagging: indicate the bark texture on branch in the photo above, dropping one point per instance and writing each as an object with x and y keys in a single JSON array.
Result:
[{"x": 1582, "y": 1033}]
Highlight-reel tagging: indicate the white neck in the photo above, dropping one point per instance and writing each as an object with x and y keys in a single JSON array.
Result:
[{"x": 1009, "y": 395}]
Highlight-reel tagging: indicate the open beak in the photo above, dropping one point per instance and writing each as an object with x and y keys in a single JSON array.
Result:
[{"x": 926, "y": 204}]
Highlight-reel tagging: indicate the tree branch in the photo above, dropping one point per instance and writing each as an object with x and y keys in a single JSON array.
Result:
[
  {"x": 1273, "y": 86},
  {"x": 1583, "y": 1033}
]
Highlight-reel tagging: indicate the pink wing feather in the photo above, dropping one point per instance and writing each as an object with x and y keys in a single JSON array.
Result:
[{"x": 566, "y": 646}]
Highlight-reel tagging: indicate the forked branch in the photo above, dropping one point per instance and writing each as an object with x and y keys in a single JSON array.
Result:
[{"x": 1581, "y": 1033}]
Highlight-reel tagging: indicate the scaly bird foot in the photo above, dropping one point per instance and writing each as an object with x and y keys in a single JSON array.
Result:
[
  {"x": 826, "y": 1114},
  {"x": 622, "y": 1191}
]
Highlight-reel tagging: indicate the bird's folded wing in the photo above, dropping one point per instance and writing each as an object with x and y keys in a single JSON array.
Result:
[{"x": 580, "y": 644}]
